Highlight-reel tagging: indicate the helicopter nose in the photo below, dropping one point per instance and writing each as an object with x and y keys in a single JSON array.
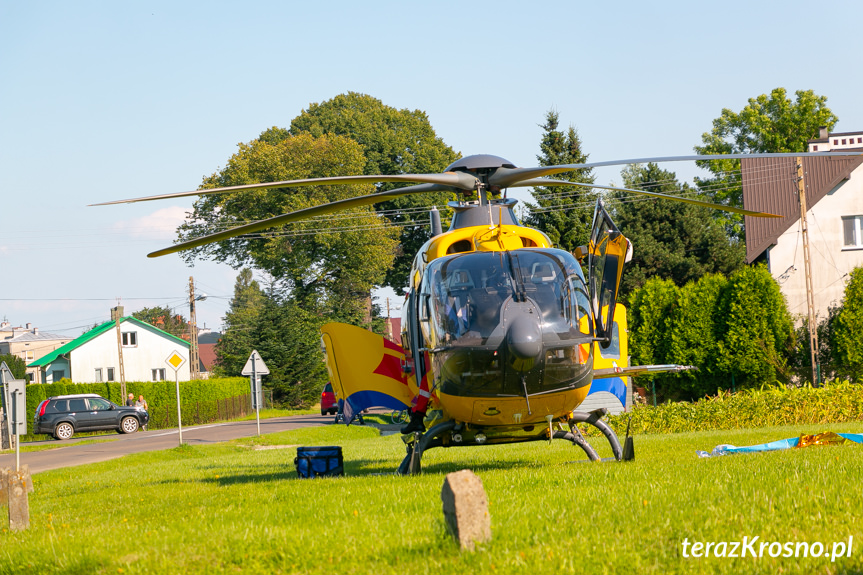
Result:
[{"x": 524, "y": 336}]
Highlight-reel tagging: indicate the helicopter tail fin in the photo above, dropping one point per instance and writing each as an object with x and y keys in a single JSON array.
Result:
[{"x": 365, "y": 368}]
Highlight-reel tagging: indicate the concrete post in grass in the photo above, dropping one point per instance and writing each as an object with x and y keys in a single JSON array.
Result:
[
  {"x": 465, "y": 509},
  {"x": 14, "y": 487}
]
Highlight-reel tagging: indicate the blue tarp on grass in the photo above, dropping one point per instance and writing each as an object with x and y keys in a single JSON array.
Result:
[{"x": 773, "y": 445}]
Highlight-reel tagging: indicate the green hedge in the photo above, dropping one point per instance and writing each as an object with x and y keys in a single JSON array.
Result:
[
  {"x": 160, "y": 395},
  {"x": 751, "y": 408}
]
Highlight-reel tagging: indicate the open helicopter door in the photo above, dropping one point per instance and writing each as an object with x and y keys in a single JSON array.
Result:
[{"x": 608, "y": 253}]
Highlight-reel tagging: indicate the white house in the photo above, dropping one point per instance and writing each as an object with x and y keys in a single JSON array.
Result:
[
  {"x": 94, "y": 356},
  {"x": 834, "y": 198}
]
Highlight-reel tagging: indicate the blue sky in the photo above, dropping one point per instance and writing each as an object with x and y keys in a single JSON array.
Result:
[{"x": 109, "y": 100}]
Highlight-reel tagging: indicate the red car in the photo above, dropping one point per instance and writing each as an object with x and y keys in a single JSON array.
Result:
[{"x": 329, "y": 405}]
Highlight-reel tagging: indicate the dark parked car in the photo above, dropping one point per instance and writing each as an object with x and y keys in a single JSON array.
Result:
[
  {"x": 63, "y": 415},
  {"x": 328, "y": 401}
]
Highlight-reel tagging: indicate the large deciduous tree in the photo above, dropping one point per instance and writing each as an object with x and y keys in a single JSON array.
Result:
[
  {"x": 672, "y": 240},
  {"x": 328, "y": 263},
  {"x": 769, "y": 123},
  {"x": 394, "y": 142},
  {"x": 564, "y": 213}
]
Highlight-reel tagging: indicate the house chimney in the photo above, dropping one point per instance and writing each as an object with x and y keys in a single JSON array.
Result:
[
  {"x": 823, "y": 133},
  {"x": 35, "y": 331},
  {"x": 29, "y": 326}
]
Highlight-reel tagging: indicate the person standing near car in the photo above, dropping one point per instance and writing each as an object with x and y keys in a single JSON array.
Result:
[
  {"x": 142, "y": 405},
  {"x": 130, "y": 401}
]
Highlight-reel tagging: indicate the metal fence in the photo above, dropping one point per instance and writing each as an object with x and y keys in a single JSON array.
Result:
[{"x": 200, "y": 412}]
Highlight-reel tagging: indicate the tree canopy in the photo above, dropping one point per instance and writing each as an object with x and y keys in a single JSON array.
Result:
[
  {"x": 285, "y": 334},
  {"x": 673, "y": 240},
  {"x": 16, "y": 365},
  {"x": 241, "y": 323},
  {"x": 564, "y": 213},
  {"x": 328, "y": 263},
  {"x": 393, "y": 142},
  {"x": 848, "y": 328},
  {"x": 768, "y": 123},
  {"x": 165, "y": 319}
]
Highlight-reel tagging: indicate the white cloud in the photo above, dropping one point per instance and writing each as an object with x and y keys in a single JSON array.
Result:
[{"x": 160, "y": 225}]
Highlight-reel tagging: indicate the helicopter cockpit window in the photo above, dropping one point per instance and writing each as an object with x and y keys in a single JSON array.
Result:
[
  {"x": 467, "y": 293},
  {"x": 554, "y": 281}
]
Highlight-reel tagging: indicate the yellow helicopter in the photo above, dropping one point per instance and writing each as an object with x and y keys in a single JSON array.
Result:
[{"x": 502, "y": 334}]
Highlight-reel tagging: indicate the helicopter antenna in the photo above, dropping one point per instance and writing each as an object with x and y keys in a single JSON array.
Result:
[{"x": 434, "y": 217}]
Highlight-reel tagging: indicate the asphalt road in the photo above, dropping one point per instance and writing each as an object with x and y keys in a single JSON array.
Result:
[{"x": 119, "y": 445}]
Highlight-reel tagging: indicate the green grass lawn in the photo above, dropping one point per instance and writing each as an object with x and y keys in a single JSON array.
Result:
[{"x": 233, "y": 508}]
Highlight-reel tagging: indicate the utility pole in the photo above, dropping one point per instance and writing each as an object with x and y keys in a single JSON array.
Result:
[
  {"x": 193, "y": 333},
  {"x": 389, "y": 322},
  {"x": 810, "y": 296},
  {"x": 117, "y": 315}
]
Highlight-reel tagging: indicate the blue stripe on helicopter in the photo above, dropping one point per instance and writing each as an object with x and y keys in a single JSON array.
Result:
[
  {"x": 360, "y": 400},
  {"x": 613, "y": 385}
]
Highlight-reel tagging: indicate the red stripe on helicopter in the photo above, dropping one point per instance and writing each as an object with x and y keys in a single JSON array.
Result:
[{"x": 391, "y": 366}]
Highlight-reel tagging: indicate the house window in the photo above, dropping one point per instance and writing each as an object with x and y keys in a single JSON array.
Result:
[
  {"x": 98, "y": 375},
  {"x": 29, "y": 354},
  {"x": 110, "y": 374},
  {"x": 836, "y": 142},
  {"x": 159, "y": 374},
  {"x": 852, "y": 227},
  {"x": 57, "y": 375},
  {"x": 130, "y": 339},
  {"x": 814, "y": 148}
]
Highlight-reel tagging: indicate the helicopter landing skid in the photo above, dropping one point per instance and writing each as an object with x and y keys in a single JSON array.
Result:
[
  {"x": 417, "y": 443},
  {"x": 593, "y": 418}
]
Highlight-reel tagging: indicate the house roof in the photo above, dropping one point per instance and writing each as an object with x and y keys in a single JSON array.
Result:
[
  {"x": 41, "y": 336},
  {"x": 207, "y": 355},
  {"x": 770, "y": 185},
  {"x": 96, "y": 332}
]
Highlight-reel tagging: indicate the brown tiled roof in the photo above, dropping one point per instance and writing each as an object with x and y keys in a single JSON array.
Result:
[
  {"x": 770, "y": 185},
  {"x": 207, "y": 354}
]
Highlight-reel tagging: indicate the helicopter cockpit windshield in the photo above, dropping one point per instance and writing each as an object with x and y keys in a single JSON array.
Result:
[
  {"x": 507, "y": 323},
  {"x": 466, "y": 295}
]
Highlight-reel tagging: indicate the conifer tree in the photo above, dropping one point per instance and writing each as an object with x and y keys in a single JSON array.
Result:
[{"x": 564, "y": 213}]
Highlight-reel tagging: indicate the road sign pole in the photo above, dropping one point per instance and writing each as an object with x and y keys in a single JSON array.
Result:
[
  {"x": 256, "y": 386},
  {"x": 7, "y": 401},
  {"x": 255, "y": 368},
  {"x": 258, "y": 394},
  {"x": 179, "y": 415},
  {"x": 175, "y": 360}
]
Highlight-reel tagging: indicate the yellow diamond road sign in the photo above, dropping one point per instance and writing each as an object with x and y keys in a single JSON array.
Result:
[{"x": 175, "y": 360}]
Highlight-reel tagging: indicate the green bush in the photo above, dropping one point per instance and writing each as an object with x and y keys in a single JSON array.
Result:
[
  {"x": 751, "y": 408},
  {"x": 728, "y": 328}
]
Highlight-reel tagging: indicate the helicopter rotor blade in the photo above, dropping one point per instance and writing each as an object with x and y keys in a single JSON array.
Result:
[
  {"x": 550, "y": 182},
  {"x": 457, "y": 180},
  {"x": 301, "y": 215},
  {"x": 509, "y": 177}
]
